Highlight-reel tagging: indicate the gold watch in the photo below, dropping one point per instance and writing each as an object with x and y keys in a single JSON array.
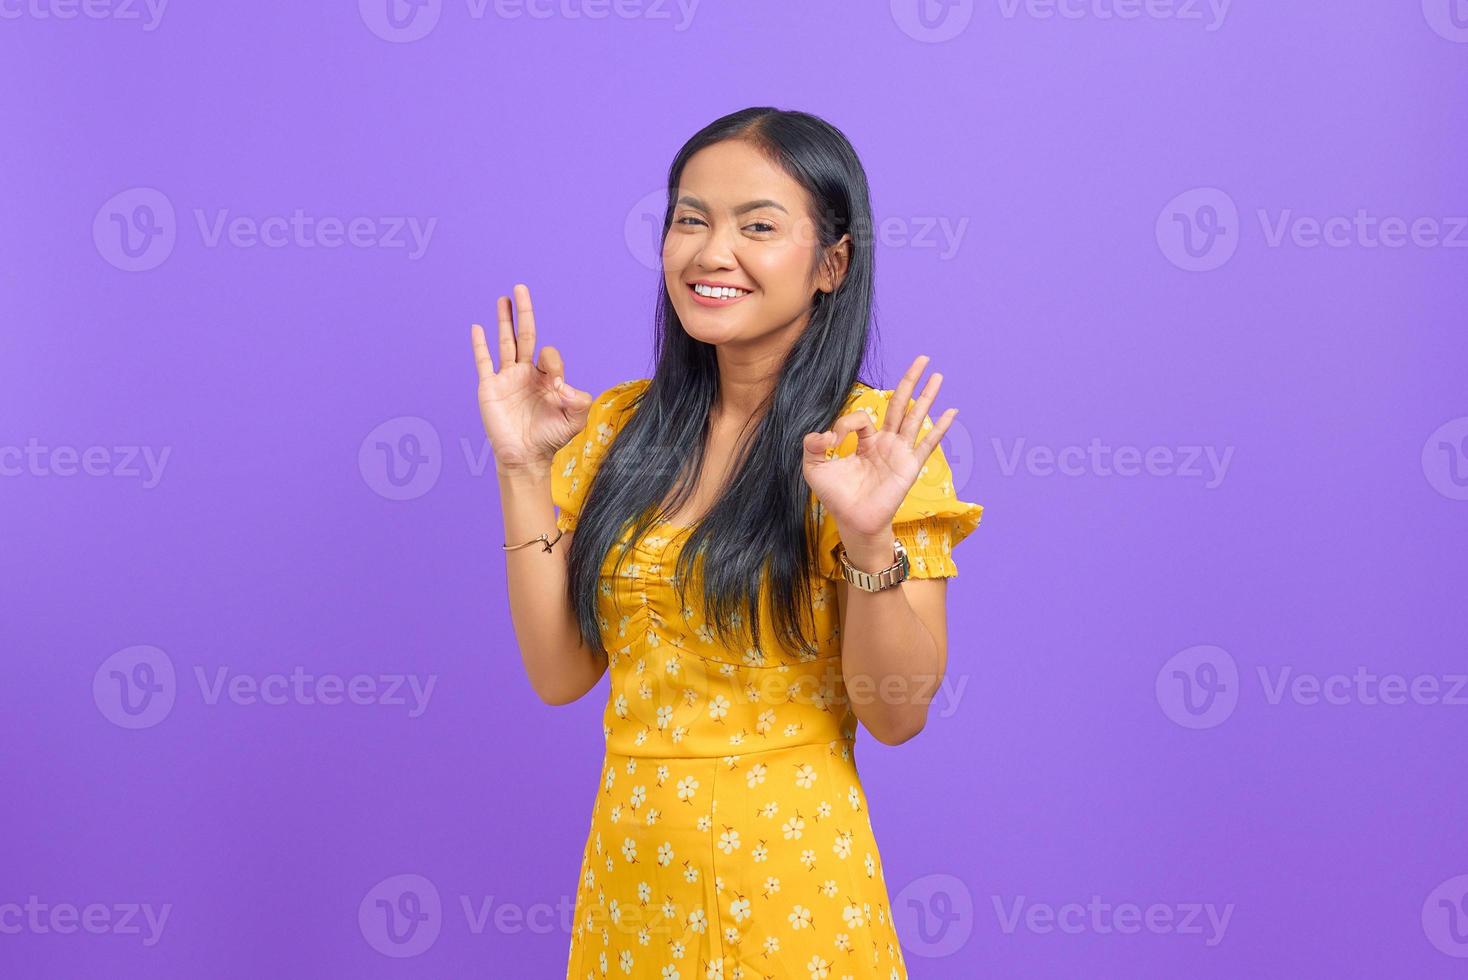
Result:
[{"x": 893, "y": 574}]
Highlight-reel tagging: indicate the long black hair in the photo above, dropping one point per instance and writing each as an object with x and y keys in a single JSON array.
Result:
[{"x": 762, "y": 521}]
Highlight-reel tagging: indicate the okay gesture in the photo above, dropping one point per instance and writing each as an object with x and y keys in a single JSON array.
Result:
[{"x": 862, "y": 491}]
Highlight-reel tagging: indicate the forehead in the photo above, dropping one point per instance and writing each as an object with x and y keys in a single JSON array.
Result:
[{"x": 731, "y": 172}]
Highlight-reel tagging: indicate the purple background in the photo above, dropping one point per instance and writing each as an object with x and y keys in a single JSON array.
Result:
[{"x": 1073, "y": 764}]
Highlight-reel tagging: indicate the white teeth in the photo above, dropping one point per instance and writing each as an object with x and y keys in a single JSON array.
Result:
[{"x": 718, "y": 292}]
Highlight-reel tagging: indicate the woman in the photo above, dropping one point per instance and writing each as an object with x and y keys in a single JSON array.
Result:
[{"x": 751, "y": 480}]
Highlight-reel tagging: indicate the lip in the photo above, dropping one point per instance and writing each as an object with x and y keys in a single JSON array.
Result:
[{"x": 709, "y": 301}]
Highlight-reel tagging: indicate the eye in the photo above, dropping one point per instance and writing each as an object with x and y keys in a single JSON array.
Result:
[
  {"x": 764, "y": 226},
  {"x": 687, "y": 218}
]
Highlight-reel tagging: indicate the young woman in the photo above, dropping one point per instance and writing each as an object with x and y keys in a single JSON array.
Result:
[{"x": 754, "y": 544}]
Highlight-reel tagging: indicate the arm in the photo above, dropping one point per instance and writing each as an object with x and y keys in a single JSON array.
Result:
[
  {"x": 894, "y": 645},
  {"x": 894, "y": 642},
  {"x": 529, "y": 414},
  {"x": 561, "y": 668}
]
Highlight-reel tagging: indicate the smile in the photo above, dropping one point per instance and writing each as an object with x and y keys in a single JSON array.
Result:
[{"x": 717, "y": 295}]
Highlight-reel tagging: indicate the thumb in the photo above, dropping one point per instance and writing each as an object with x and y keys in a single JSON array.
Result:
[{"x": 574, "y": 401}]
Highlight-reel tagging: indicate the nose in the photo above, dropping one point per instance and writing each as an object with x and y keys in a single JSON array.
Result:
[{"x": 715, "y": 251}]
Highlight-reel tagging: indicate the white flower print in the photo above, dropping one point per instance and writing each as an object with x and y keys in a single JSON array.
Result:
[
  {"x": 687, "y": 787},
  {"x": 793, "y": 828},
  {"x": 852, "y": 916},
  {"x": 665, "y": 853},
  {"x": 760, "y": 852},
  {"x": 639, "y": 795},
  {"x": 842, "y": 846},
  {"x": 729, "y": 840},
  {"x": 629, "y": 850},
  {"x": 805, "y": 775},
  {"x": 828, "y": 888},
  {"x": 756, "y": 774},
  {"x": 800, "y": 917},
  {"x": 819, "y": 968},
  {"x": 698, "y": 921},
  {"x": 739, "y": 909},
  {"x": 718, "y": 707}
]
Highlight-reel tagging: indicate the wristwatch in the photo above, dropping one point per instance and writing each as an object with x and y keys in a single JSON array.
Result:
[{"x": 893, "y": 574}]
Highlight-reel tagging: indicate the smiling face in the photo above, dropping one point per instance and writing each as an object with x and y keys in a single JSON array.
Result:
[{"x": 740, "y": 221}]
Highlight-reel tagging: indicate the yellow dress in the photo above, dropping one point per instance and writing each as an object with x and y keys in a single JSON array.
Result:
[{"x": 730, "y": 837}]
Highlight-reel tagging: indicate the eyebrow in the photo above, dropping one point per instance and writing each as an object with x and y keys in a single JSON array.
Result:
[{"x": 692, "y": 201}]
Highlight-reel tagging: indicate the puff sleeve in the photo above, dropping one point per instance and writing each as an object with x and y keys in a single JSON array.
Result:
[
  {"x": 930, "y": 520},
  {"x": 576, "y": 462}
]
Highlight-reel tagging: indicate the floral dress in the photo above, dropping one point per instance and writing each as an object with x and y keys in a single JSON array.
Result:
[{"x": 730, "y": 838}]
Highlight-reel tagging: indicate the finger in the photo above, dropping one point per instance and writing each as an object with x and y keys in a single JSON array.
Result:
[
  {"x": 912, "y": 425},
  {"x": 929, "y": 442},
  {"x": 525, "y": 324},
  {"x": 481, "y": 352},
  {"x": 816, "y": 445},
  {"x": 860, "y": 423},
  {"x": 897, "y": 407},
  {"x": 507, "y": 332},
  {"x": 550, "y": 365}
]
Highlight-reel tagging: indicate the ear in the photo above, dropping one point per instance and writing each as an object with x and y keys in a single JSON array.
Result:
[{"x": 834, "y": 264}]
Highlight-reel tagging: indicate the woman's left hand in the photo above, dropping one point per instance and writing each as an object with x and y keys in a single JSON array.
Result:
[{"x": 863, "y": 491}]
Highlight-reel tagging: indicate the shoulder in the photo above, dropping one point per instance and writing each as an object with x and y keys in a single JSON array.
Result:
[{"x": 609, "y": 409}]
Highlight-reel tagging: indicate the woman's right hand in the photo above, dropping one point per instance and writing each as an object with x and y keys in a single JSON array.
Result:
[{"x": 528, "y": 412}]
